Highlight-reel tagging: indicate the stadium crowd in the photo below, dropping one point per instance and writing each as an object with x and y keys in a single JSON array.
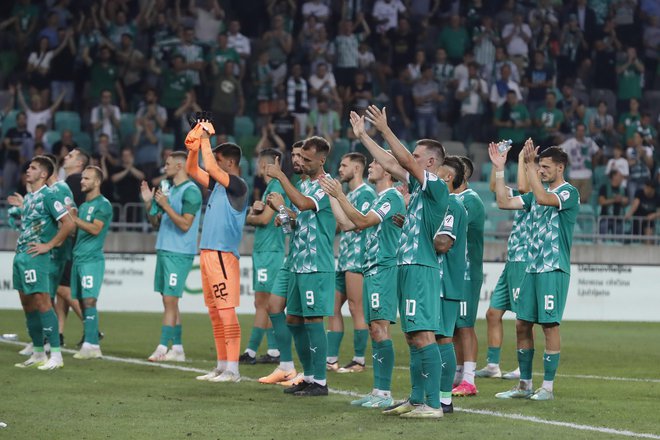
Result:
[{"x": 119, "y": 78}]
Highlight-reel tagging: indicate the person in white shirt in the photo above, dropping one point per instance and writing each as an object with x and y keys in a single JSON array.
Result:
[
  {"x": 618, "y": 162},
  {"x": 582, "y": 153},
  {"x": 35, "y": 112},
  {"x": 386, "y": 14},
  {"x": 501, "y": 87},
  {"x": 239, "y": 42},
  {"x": 517, "y": 36},
  {"x": 473, "y": 94},
  {"x": 317, "y": 9},
  {"x": 105, "y": 118},
  {"x": 323, "y": 84},
  {"x": 208, "y": 20}
]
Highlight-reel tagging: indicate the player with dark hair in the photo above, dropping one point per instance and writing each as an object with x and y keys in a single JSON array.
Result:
[
  {"x": 32, "y": 265},
  {"x": 553, "y": 204},
  {"x": 93, "y": 222},
  {"x": 222, "y": 231},
  {"x": 348, "y": 282},
  {"x": 311, "y": 290},
  {"x": 177, "y": 220},
  {"x": 267, "y": 259}
]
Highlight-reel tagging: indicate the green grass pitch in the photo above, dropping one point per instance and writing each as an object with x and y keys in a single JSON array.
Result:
[{"x": 113, "y": 398}]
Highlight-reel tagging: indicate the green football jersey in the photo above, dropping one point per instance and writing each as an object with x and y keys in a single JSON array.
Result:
[
  {"x": 314, "y": 250},
  {"x": 41, "y": 212},
  {"x": 63, "y": 193},
  {"x": 518, "y": 241},
  {"x": 90, "y": 247},
  {"x": 426, "y": 210},
  {"x": 382, "y": 240},
  {"x": 351, "y": 244},
  {"x": 453, "y": 264},
  {"x": 270, "y": 238},
  {"x": 551, "y": 230},
  {"x": 293, "y": 249},
  {"x": 475, "y": 235}
]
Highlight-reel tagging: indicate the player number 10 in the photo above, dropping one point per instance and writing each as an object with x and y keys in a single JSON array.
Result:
[{"x": 549, "y": 302}]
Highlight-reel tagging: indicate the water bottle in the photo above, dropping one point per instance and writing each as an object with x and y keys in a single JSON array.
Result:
[
  {"x": 504, "y": 145},
  {"x": 285, "y": 220},
  {"x": 165, "y": 186}
]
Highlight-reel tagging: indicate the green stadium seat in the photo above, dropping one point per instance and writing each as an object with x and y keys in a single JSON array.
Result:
[
  {"x": 243, "y": 126},
  {"x": 167, "y": 140},
  {"x": 454, "y": 148},
  {"x": 9, "y": 121},
  {"x": 52, "y": 137},
  {"x": 67, "y": 121},
  {"x": 84, "y": 141},
  {"x": 127, "y": 127},
  {"x": 485, "y": 171}
]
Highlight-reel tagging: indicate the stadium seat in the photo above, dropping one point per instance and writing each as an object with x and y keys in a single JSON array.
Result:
[
  {"x": 454, "y": 148},
  {"x": 511, "y": 172},
  {"x": 340, "y": 147},
  {"x": 652, "y": 101},
  {"x": 127, "y": 127},
  {"x": 84, "y": 141},
  {"x": 243, "y": 126},
  {"x": 67, "y": 121},
  {"x": 167, "y": 140},
  {"x": 485, "y": 171},
  {"x": 606, "y": 95},
  {"x": 52, "y": 137},
  {"x": 9, "y": 122}
]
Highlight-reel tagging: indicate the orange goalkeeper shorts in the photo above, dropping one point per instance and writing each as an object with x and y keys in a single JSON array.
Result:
[{"x": 221, "y": 279}]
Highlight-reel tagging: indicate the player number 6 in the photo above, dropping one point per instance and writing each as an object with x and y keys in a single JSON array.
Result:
[{"x": 173, "y": 279}]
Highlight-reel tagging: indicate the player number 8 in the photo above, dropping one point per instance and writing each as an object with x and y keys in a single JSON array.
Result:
[
  {"x": 173, "y": 279},
  {"x": 310, "y": 297},
  {"x": 375, "y": 300}
]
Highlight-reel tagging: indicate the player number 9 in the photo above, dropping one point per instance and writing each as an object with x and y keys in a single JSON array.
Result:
[{"x": 310, "y": 297}]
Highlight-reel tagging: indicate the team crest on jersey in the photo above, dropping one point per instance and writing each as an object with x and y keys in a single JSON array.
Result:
[
  {"x": 318, "y": 195},
  {"x": 68, "y": 201},
  {"x": 58, "y": 206},
  {"x": 365, "y": 205},
  {"x": 564, "y": 195},
  {"x": 449, "y": 221},
  {"x": 383, "y": 210},
  {"x": 431, "y": 177}
]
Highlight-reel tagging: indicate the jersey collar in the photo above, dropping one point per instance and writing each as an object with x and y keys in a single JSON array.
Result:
[
  {"x": 39, "y": 190},
  {"x": 391, "y": 188},
  {"x": 358, "y": 187}
]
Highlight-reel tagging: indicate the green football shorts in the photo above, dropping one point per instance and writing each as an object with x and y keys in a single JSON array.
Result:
[
  {"x": 87, "y": 279},
  {"x": 172, "y": 271},
  {"x": 507, "y": 290},
  {"x": 379, "y": 295},
  {"x": 543, "y": 297},
  {"x": 467, "y": 315},
  {"x": 419, "y": 297},
  {"x": 265, "y": 268},
  {"x": 32, "y": 274},
  {"x": 311, "y": 295}
]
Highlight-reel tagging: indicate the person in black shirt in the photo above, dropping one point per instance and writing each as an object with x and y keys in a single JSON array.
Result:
[
  {"x": 73, "y": 165},
  {"x": 613, "y": 200},
  {"x": 65, "y": 145},
  {"x": 285, "y": 125},
  {"x": 62, "y": 74},
  {"x": 126, "y": 179},
  {"x": 12, "y": 144},
  {"x": 645, "y": 208}
]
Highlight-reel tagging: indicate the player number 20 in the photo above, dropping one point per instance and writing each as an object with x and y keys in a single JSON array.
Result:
[
  {"x": 549, "y": 302},
  {"x": 30, "y": 276},
  {"x": 87, "y": 282},
  {"x": 262, "y": 275},
  {"x": 411, "y": 307},
  {"x": 375, "y": 300},
  {"x": 173, "y": 280},
  {"x": 310, "y": 297}
]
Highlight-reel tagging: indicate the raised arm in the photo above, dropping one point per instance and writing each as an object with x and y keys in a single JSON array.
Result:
[
  {"x": 386, "y": 160},
  {"x": 523, "y": 181},
  {"x": 192, "y": 163},
  {"x": 542, "y": 196},
  {"x": 504, "y": 201},
  {"x": 404, "y": 158},
  {"x": 302, "y": 202}
]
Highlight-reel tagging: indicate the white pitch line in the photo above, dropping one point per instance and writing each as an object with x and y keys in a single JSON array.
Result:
[{"x": 577, "y": 426}]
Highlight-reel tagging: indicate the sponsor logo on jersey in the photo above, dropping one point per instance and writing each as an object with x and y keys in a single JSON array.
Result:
[
  {"x": 365, "y": 206},
  {"x": 449, "y": 221},
  {"x": 564, "y": 195},
  {"x": 58, "y": 206}
]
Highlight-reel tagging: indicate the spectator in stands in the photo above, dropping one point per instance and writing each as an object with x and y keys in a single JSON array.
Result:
[
  {"x": 239, "y": 42},
  {"x": 38, "y": 69},
  {"x": 194, "y": 60},
  {"x": 105, "y": 118},
  {"x": 358, "y": 96},
  {"x": 324, "y": 122},
  {"x": 222, "y": 54},
  {"x": 285, "y": 125},
  {"x": 126, "y": 178},
  {"x": 117, "y": 26},
  {"x": 308, "y": 32},
  {"x": 321, "y": 50},
  {"x": 426, "y": 95},
  {"x": 624, "y": 19},
  {"x": 618, "y": 162},
  {"x": 208, "y": 20},
  {"x": 647, "y": 131},
  {"x": 402, "y": 109},
  {"x": 645, "y": 209},
  {"x": 573, "y": 115},
  {"x": 651, "y": 42},
  {"x": 62, "y": 72},
  {"x": 147, "y": 146},
  {"x": 548, "y": 119},
  {"x": 316, "y": 8},
  {"x": 279, "y": 45},
  {"x": 543, "y": 13},
  {"x": 473, "y": 94},
  {"x": 265, "y": 84},
  {"x": 485, "y": 39},
  {"x": 26, "y": 17},
  {"x": 512, "y": 121},
  {"x": 104, "y": 75},
  {"x": 630, "y": 71},
  {"x": 322, "y": 84},
  {"x": 401, "y": 44},
  {"x": 297, "y": 98},
  {"x": 629, "y": 120},
  {"x": 582, "y": 152},
  {"x": 538, "y": 79},
  {"x": 547, "y": 42},
  {"x": 601, "y": 128},
  {"x": 454, "y": 39},
  {"x": 443, "y": 74},
  {"x": 269, "y": 139},
  {"x": 612, "y": 200},
  {"x": 385, "y": 14},
  {"x": 130, "y": 63},
  {"x": 37, "y": 112},
  {"x": 572, "y": 49},
  {"x": 347, "y": 43},
  {"x": 586, "y": 20},
  {"x": 12, "y": 144},
  {"x": 501, "y": 88},
  {"x": 366, "y": 60},
  {"x": 50, "y": 31},
  {"x": 228, "y": 101},
  {"x": 415, "y": 67},
  {"x": 149, "y": 109},
  {"x": 516, "y": 37},
  {"x": 640, "y": 160},
  {"x": 66, "y": 144}
]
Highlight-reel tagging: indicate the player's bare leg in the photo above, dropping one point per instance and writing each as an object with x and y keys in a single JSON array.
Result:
[
  {"x": 63, "y": 303},
  {"x": 335, "y": 333},
  {"x": 458, "y": 349},
  {"x": 354, "y": 286},
  {"x": 468, "y": 343}
]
